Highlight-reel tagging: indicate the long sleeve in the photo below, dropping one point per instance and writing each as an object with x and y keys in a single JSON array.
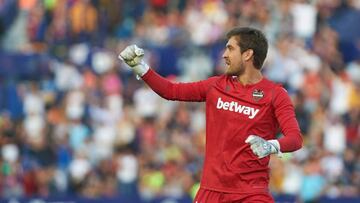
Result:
[
  {"x": 193, "y": 91},
  {"x": 285, "y": 115}
]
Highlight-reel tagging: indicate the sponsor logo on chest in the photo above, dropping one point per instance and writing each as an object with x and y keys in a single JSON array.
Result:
[{"x": 236, "y": 107}]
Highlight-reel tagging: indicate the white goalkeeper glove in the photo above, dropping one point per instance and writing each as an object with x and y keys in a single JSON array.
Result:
[
  {"x": 262, "y": 147},
  {"x": 133, "y": 56}
]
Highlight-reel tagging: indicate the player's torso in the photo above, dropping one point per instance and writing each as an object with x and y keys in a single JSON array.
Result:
[
  {"x": 237, "y": 111},
  {"x": 233, "y": 112}
]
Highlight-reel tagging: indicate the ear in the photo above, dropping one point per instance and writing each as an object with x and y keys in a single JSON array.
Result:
[{"x": 248, "y": 54}]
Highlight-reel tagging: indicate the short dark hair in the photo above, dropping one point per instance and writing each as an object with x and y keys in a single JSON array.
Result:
[{"x": 250, "y": 38}]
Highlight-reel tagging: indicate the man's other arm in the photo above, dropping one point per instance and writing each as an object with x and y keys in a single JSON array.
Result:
[{"x": 285, "y": 115}]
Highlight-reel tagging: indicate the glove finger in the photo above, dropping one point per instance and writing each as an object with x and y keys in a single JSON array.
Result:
[
  {"x": 256, "y": 152},
  {"x": 124, "y": 56},
  {"x": 120, "y": 57},
  {"x": 128, "y": 53},
  {"x": 131, "y": 63},
  {"x": 262, "y": 156},
  {"x": 138, "y": 59},
  {"x": 251, "y": 139},
  {"x": 138, "y": 51},
  {"x": 253, "y": 147},
  {"x": 132, "y": 48}
]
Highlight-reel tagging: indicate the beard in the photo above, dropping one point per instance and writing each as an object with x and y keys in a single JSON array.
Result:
[{"x": 235, "y": 71}]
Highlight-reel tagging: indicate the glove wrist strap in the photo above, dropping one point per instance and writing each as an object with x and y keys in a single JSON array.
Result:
[
  {"x": 141, "y": 69},
  {"x": 275, "y": 146}
]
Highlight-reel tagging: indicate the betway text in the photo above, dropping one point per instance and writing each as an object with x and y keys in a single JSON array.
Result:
[{"x": 238, "y": 108}]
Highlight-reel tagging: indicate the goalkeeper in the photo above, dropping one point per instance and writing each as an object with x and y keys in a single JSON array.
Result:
[{"x": 244, "y": 112}]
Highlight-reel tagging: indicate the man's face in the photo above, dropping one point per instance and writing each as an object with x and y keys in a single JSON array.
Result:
[{"x": 233, "y": 58}]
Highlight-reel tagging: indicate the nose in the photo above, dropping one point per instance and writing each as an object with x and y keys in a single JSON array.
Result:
[{"x": 225, "y": 54}]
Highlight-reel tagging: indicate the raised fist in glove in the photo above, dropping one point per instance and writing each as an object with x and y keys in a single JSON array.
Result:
[
  {"x": 133, "y": 56},
  {"x": 262, "y": 147}
]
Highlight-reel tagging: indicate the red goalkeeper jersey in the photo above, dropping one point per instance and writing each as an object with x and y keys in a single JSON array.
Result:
[{"x": 233, "y": 112}]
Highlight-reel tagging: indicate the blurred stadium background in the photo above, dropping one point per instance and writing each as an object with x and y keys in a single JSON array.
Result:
[{"x": 76, "y": 126}]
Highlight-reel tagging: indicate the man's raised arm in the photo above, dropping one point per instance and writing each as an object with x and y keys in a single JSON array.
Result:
[{"x": 193, "y": 91}]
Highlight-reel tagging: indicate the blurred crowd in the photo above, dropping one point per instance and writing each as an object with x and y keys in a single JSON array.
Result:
[{"x": 81, "y": 124}]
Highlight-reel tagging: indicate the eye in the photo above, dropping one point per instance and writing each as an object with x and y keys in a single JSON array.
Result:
[{"x": 229, "y": 47}]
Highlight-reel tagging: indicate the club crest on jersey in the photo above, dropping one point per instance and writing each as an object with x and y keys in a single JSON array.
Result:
[{"x": 257, "y": 94}]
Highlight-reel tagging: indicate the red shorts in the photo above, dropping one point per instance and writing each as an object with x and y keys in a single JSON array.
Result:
[{"x": 211, "y": 196}]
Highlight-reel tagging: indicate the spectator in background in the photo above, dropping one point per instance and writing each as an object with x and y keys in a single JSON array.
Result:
[{"x": 83, "y": 20}]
